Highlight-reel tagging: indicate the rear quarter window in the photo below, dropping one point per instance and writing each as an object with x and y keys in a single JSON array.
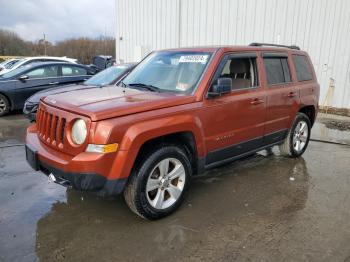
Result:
[
  {"x": 277, "y": 70},
  {"x": 302, "y": 68},
  {"x": 73, "y": 71}
]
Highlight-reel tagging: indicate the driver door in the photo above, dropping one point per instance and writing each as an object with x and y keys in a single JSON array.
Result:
[
  {"x": 39, "y": 78},
  {"x": 234, "y": 122}
]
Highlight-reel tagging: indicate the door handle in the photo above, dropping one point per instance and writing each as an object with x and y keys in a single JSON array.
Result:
[
  {"x": 54, "y": 83},
  {"x": 291, "y": 94},
  {"x": 256, "y": 101}
]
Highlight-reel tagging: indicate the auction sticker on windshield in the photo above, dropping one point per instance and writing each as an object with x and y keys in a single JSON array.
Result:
[{"x": 193, "y": 59}]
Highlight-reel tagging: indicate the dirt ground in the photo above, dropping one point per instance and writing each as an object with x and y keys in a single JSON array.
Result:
[
  {"x": 342, "y": 125},
  {"x": 262, "y": 208}
]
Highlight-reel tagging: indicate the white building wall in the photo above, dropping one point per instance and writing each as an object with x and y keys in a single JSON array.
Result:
[{"x": 321, "y": 27}]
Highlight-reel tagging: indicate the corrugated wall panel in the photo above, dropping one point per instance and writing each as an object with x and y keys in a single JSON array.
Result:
[{"x": 321, "y": 27}]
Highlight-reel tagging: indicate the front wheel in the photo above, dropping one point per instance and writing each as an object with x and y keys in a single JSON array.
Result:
[
  {"x": 298, "y": 137},
  {"x": 157, "y": 187},
  {"x": 4, "y": 105}
]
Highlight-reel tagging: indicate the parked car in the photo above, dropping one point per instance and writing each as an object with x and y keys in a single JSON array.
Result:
[
  {"x": 178, "y": 113},
  {"x": 102, "y": 62},
  {"x": 29, "y": 60},
  {"x": 16, "y": 86},
  {"x": 109, "y": 76},
  {"x": 8, "y": 63}
]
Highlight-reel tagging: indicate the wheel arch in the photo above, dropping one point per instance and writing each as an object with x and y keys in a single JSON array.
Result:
[
  {"x": 310, "y": 111},
  {"x": 183, "y": 139},
  {"x": 184, "y": 131}
]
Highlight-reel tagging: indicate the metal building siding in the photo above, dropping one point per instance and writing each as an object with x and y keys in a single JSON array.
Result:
[{"x": 321, "y": 27}]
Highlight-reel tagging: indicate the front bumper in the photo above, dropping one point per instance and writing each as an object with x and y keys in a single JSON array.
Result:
[
  {"x": 85, "y": 181},
  {"x": 74, "y": 172},
  {"x": 29, "y": 111}
]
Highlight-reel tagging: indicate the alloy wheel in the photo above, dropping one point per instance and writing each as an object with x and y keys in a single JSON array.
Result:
[
  {"x": 2, "y": 105},
  {"x": 300, "y": 136},
  {"x": 165, "y": 184}
]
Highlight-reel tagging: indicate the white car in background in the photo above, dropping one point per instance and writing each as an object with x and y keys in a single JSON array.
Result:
[
  {"x": 8, "y": 63},
  {"x": 38, "y": 59}
]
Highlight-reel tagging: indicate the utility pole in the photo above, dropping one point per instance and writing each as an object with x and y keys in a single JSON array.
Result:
[
  {"x": 105, "y": 41},
  {"x": 44, "y": 44}
]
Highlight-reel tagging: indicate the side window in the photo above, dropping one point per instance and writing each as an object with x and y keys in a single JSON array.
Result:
[
  {"x": 43, "y": 72},
  {"x": 302, "y": 68},
  {"x": 73, "y": 71},
  {"x": 30, "y": 62},
  {"x": 242, "y": 71},
  {"x": 277, "y": 70}
]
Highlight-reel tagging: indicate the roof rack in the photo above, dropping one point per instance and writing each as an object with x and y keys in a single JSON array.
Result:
[{"x": 286, "y": 46}]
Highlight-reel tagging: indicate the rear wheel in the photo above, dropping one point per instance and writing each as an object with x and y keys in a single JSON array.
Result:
[
  {"x": 298, "y": 137},
  {"x": 4, "y": 105},
  {"x": 157, "y": 188}
]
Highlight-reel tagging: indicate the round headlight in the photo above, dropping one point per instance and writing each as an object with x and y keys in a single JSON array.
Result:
[{"x": 79, "y": 131}]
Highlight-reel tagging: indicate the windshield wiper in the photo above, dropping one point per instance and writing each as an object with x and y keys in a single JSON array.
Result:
[
  {"x": 122, "y": 84},
  {"x": 144, "y": 86}
]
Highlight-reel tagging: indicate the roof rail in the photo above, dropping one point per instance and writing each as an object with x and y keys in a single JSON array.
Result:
[{"x": 286, "y": 46}]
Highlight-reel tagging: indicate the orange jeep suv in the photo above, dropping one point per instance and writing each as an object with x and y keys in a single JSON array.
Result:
[{"x": 178, "y": 113}]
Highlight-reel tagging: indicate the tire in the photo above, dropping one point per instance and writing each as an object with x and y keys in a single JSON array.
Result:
[
  {"x": 4, "y": 105},
  {"x": 299, "y": 133},
  {"x": 139, "y": 193}
]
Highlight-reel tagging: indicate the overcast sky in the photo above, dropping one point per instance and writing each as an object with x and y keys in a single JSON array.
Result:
[{"x": 58, "y": 19}]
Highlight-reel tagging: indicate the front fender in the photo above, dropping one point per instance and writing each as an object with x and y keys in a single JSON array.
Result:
[{"x": 139, "y": 133}]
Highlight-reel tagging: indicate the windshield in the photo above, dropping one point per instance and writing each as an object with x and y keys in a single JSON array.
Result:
[
  {"x": 107, "y": 76},
  {"x": 11, "y": 65},
  {"x": 174, "y": 71}
]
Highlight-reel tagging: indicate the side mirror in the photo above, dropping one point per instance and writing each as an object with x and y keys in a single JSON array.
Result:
[
  {"x": 23, "y": 78},
  {"x": 223, "y": 86}
]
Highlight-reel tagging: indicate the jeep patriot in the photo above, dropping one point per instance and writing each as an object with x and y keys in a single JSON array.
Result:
[{"x": 178, "y": 113}]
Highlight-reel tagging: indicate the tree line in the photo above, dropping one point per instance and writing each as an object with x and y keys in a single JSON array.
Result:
[{"x": 82, "y": 48}]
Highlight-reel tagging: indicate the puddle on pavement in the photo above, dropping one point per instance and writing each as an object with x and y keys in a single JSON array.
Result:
[
  {"x": 258, "y": 186},
  {"x": 320, "y": 131},
  {"x": 264, "y": 207},
  {"x": 13, "y": 129}
]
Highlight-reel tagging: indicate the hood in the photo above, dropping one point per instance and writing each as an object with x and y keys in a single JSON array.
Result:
[
  {"x": 100, "y": 103},
  {"x": 56, "y": 90}
]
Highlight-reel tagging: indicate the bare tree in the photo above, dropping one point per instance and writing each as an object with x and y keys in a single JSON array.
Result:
[{"x": 83, "y": 49}]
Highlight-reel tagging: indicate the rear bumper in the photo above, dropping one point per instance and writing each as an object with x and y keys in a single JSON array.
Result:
[{"x": 85, "y": 172}]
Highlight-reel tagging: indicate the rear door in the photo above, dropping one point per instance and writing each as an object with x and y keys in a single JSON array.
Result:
[
  {"x": 71, "y": 74},
  {"x": 234, "y": 123},
  {"x": 282, "y": 95},
  {"x": 39, "y": 78}
]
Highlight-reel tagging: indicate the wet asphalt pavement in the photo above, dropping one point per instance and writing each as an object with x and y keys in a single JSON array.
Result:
[{"x": 262, "y": 208}]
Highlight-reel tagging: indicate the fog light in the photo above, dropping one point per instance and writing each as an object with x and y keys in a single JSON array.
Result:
[{"x": 110, "y": 148}]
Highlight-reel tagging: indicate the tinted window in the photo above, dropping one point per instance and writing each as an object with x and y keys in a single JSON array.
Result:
[
  {"x": 73, "y": 71},
  {"x": 302, "y": 68},
  {"x": 31, "y": 61},
  {"x": 277, "y": 70},
  {"x": 43, "y": 72}
]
